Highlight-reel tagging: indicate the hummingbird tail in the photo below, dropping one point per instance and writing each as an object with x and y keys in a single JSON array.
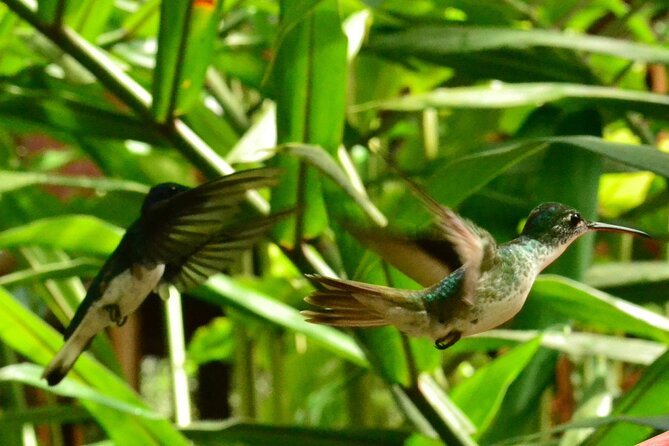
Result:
[
  {"x": 346, "y": 303},
  {"x": 64, "y": 359}
]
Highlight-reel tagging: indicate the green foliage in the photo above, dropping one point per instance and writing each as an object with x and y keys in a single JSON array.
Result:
[{"x": 492, "y": 107}]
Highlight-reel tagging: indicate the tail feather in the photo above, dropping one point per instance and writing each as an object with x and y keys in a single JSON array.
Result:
[
  {"x": 346, "y": 303},
  {"x": 64, "y": 359}
]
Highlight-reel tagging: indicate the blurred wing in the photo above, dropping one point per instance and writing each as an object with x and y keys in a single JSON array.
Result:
[
  {"x": 427, "y": 258},
  {"x": 189, "y": 219},
  {"x": 217, "y": 254},
  {"x": 474, "y": 245}
]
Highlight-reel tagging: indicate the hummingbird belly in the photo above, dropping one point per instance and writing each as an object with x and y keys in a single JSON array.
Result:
[
  {"x": 496, "y": 302},
  {"x": 129, "y": 289}
]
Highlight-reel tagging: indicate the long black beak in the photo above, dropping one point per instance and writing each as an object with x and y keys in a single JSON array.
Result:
[{"x": 597, "y": 226}]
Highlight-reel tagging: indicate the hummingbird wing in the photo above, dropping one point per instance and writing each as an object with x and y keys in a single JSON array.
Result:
[
  {"x": 216, "y": 254},
  {"x": 425, "y": 257},
  {"x": 189, "y": 219},
  {"x": 474, "y": 245}
]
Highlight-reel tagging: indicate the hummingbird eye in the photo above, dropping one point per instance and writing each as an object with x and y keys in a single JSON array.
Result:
[{"x": 575, "y": 218}]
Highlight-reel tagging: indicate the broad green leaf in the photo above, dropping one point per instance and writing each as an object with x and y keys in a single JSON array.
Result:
[
  {"x": 576, "y": 344},
  {"x": 174, "y": 19},
  {"x": 309, "y": 85},
  {"x": 90, "y": 18},
  {"x": 480, "y": 396},
  {"x": 649, "y": 397},
  {"x": 503, "y": 95},
  {"x": 446, "y": 40},
  {"x": 658, "y": 423},
  {"x": 223, "y": 290},
  {"x": 56, "y": 270},
  {"x": 640, "y": 156},
  {"x": 212, "y": 342},
  {"x": 454, "y": 426},
  {"x": 591, "y": 307},
  {"x": 621, "y": 192},
  {"x": 32, "y": 338},
  {"x": 65, "y": 117},
  {"x": 185, "y": 44},
  {"x": 247, "y": 434},
  {"x": 452, "y": 181},
  {"x": 49, "y": 11},
  {"x": 323, "y": 161},
  {"x": 13, "y": 180},
  {"x": 31, "y": 374},
  {"x": 613, "y": 275},
  {"x": 79, "y": 233},
  {"x": 44, "y": 415},
  {"x": 385, "y": 351}
]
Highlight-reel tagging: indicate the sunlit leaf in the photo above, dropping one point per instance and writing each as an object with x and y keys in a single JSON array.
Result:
[
  {"x": 12, "y": 180},
  {"x": 31, "y": 337},
  {"x": 480, "y": 396},
  {"x": 591, "y": 307},
  {"x": 79, "y": 233},
  {"x": 647, "y": 398},
  {"x": 223, "y": 290}
]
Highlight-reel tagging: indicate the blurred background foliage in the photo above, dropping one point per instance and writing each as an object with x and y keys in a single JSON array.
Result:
[{"x": 492, "y": 106}]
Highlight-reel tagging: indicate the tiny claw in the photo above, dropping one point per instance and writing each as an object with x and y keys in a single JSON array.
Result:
[
  {"x": 448, "y": 340},
  {"x": 115, "y": 314}
]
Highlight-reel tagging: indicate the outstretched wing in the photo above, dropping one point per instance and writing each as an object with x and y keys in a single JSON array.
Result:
[
  {"x": 174, "y": 226},
  {"x": 474, "y": 245},
  {"x": 217, "y": 254}
]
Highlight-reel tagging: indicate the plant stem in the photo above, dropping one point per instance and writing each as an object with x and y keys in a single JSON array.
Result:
[{"x": 177, "y": 354}]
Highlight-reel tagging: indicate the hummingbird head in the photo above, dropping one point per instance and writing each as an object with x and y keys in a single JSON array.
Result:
[
  {"x": 160, "y": 193},
  {"x": 557, "y": 224}
]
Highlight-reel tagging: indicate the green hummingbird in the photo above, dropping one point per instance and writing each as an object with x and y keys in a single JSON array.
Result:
[
  {"x": 181, "y": 237},
  {"x": 488, "y": 289}
]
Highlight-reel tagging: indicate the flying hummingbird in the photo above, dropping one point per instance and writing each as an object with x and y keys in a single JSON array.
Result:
[
  {"x": 488, "y": 289},
  {"x": 182, "y": 237}
]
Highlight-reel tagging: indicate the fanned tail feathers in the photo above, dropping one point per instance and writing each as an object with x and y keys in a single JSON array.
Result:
[{"x": 346, "y": 303}]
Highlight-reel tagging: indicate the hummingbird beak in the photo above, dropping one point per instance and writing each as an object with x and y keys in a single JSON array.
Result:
[{"x": 597, "y": 226}]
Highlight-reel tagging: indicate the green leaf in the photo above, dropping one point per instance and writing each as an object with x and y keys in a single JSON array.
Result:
[
  {"x": 223, "y": 290},
  {"x": 612, "y": 275},
  {"x": 576, "y": 344},
  {"x": 79, "y": 233},
  {"x": 13, "y": 180},
  {"x": 480, "y": 396},
  {"x": 323, "y": 161},
  {"x": 452, "y": 181},
  {"x": 212, "y": 342},
  {"x": 247, "y": 434},
  {"x": 445, "y": 40},
  {"x": 49, "y": 11},
  {"x": 44, "y": 415},
  {"x": 20, "y": 108},
  {"x": 503, "y": 95},
  {"x": 185, "y": 44},
  {"x": 649, "y": 397},
  {"x": 309, "y": 84},
  {"x": 31, "y": 374},
  {"x": 31, "y": 337},
  {"x": 56, "y": 270},
  {"x": 592, "y": 307}
]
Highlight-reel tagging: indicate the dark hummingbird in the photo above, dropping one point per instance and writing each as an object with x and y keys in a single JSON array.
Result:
[
  {"x": 182, "y": 237},
  {"x": 488, "y": 289}
]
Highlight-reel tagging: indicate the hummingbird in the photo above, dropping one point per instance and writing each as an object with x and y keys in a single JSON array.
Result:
[
  {"x": 488, "y": 289},
  {"x": 181, "y": 237}
]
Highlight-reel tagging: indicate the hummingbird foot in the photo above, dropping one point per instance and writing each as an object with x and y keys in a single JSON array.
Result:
[
  {"x": 115, "y": 314},
  {"x": 446, "y": 341}
]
